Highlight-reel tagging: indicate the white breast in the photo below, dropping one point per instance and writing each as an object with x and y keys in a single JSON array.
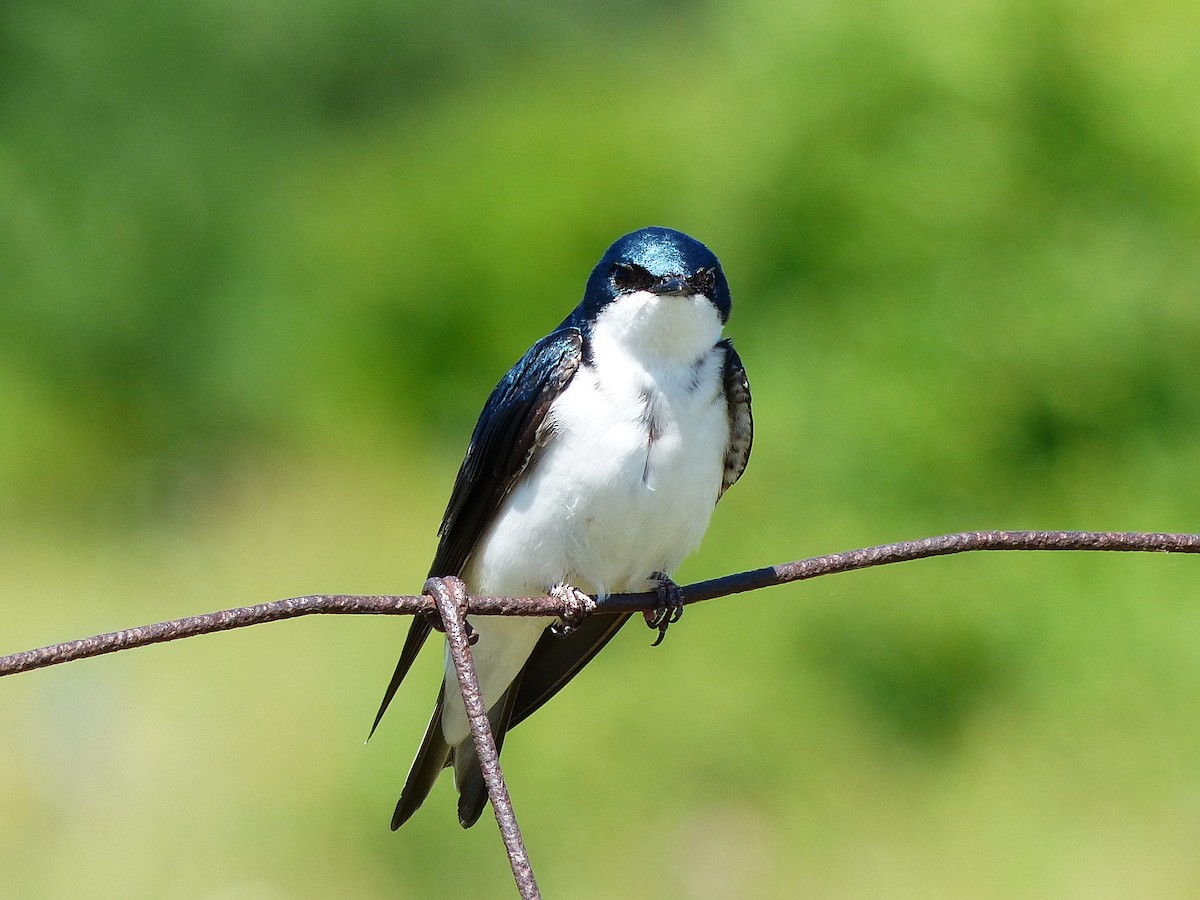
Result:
[
  {"x": 628, "y": 481},
  {"x": 625, "y": 486}
]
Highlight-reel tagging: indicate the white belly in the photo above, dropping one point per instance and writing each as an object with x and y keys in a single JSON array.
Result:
[{"x": 625, "y": 489}]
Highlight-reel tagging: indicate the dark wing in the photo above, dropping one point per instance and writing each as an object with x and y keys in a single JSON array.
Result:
[
  {"x": 507, "y": 435},
  {"x": 741, "y": 422},
  {"x": 435, "y": 754},
  {"x": 432, "y": 757},
  {"x": 505, "y": 438},
  {"x": 556, "y": 659}
]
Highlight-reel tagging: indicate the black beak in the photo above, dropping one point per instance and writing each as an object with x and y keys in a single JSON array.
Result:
[{"x": 671, "y": 284}]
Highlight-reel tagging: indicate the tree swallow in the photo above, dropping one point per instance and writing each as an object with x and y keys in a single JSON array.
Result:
[{"x": 594, "y": 466}]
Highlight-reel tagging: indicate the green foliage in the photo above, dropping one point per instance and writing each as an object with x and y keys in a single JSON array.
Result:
[{"x": 261, "y": 263}]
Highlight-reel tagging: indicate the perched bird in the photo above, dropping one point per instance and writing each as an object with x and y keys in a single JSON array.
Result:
[{"x": 594, "y": 466}]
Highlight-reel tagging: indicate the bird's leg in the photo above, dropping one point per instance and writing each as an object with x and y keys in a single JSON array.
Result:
[
  {"x": 670, "y": 606},
  {"x": 577, "y": 606},
  {"x": 436, "y": 620}
]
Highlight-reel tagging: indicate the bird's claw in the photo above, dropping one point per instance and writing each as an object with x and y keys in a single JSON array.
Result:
[
  {"x": 577, "y": 606},
  {"x": 669, "y": 609}
]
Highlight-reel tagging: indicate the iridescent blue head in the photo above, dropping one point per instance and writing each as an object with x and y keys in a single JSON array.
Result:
[{"x": 661, "y": 261}]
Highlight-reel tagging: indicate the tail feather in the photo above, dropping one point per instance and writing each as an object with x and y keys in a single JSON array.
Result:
[
  {"x": 418, "y": 631},
  {"x": 468, "y": 775},
  {"x": 433, "y": 756}
]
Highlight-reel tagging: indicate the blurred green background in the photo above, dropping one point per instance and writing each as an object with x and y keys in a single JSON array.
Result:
[{"x": 260, "y": 264}]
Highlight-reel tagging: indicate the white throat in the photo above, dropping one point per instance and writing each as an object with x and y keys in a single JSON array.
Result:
[{"x": 659, "y": 331}]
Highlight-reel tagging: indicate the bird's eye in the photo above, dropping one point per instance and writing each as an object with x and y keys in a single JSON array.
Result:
[
  {"x": 704, "y": 280},
  {"x": 628, "y": 277}
]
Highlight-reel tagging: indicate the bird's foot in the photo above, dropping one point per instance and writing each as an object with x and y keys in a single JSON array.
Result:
[
  {"x": 577, "y": 606},
  {"x": 451, "y": 583},
  {"x": 669, "y": 609}
]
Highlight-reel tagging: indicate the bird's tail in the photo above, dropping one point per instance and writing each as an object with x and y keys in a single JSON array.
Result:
[
  {"x": 417, "y": 632},
  {"x": 468, "y": 774},
  {"x": 432, "y": 757}
]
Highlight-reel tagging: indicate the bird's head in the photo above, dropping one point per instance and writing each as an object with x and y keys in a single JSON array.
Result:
[
  {"x": 659, "y": 261},
  {"x": 660, "y": 286}
]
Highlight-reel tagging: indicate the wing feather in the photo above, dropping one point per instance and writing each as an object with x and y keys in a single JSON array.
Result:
[
  {"x": 503, "y": 444},
  {"x": 741, "y": 421},
  {"x": 556, "y": 659},
  {"x": 506, "y": 438}
]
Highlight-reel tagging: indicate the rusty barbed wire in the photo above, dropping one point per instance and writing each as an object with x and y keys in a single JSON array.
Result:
[
  {"x": 755, "y": 579},
  {"x": 447, "y": 599}
]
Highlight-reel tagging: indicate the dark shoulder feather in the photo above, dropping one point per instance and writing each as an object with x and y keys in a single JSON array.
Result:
[{"x": 741, "y": 422}]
